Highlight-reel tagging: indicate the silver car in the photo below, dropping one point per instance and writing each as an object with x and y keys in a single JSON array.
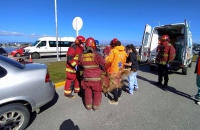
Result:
[{"x": 23, "y": 89}]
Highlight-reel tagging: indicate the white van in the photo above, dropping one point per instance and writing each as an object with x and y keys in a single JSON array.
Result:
[
  {"x": 46, "y": 46},
  {"x": 180, "y": 37}
]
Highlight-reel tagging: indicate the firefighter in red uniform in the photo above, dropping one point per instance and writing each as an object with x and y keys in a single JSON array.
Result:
[
  {"x": 166, "y": 55},
  {"x": 72, "y": 72},
  {"x": 93, "y": 65}
]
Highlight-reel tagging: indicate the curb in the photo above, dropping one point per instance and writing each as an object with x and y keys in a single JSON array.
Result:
[{"x": 61, "y": 84}]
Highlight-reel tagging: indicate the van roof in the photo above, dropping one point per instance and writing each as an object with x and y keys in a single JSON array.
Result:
[
  {"x": 59, "y": 38},
  {"x": 171, "y": 24}
]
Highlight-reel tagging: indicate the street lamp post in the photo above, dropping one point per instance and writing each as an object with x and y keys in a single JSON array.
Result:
[
  {"x": 158, "y": 22},
  {"x": 58, "y": 59}
]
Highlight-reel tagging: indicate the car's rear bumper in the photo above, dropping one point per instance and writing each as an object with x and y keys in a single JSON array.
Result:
[{"x": 46, "y": 93}]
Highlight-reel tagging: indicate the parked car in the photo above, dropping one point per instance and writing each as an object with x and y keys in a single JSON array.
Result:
[
  {"x": 3, "y": 52},
  {"x": 196, "y": 50},
  {"x": 24, "y": 88},
  {"x": 18, "y": 52}
]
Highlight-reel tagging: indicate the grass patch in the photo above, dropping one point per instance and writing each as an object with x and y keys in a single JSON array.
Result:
[
  {"x": 57, "y": 71},
  {"x": 194, "y": 58}
]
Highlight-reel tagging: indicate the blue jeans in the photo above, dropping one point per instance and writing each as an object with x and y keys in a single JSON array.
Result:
[{"x": 132, "y": 78}]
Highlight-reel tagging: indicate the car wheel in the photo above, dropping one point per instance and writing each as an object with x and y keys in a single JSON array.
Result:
[
  {"x": 14, "y": 117},
  {"x": 184, "y": 70},
  {"x": 190, "y": 65},
  {"x": 17, "y": 55},
  {"x": 35, "y": 55}
]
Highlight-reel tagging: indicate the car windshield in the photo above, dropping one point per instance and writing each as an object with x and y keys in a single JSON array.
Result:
[
  {"x": 12, "y": 62},
  {"x": 35, "y": 43}
]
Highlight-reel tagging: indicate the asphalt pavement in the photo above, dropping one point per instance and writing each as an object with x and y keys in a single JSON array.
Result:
[{"x": 149, "y": 108}]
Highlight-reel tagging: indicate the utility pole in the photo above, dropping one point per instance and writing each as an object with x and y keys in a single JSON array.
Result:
[{"x": 58, "y": 58}]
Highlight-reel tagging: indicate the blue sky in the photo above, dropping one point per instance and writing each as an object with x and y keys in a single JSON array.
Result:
[{"x": 27, "y": 20}]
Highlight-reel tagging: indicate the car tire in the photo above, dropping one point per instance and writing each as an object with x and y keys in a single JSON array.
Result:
[
  {"x": 35, "y": 55},
  {"x": 190, "y": 65},
  {"x": 17, "y": 55},
  {"x": 184, "y": 70},
  {"x": 17, "y": 116}
]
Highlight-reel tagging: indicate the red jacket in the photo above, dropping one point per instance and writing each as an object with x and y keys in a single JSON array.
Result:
[
  {"x": 106, "y": 50},
  {"x": 93, "y": 65},
  {"x": 166, "y": 53},
  {"x": 72, "y": 57}
]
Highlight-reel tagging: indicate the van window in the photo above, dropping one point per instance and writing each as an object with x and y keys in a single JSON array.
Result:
[
  {"x": 60, "y": 44},
  {"x": 42, "y": 43},
  {"x": 35, "y": 43},
  {"x": 146, "y": 37}
]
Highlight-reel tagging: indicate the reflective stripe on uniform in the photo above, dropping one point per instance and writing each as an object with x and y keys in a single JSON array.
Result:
[
  {"x": 88, "y": 59},
  {"x": 73, "y": 63},
  {"x": 91, "y": 66},
  {"x": 76, "y": 88},
  {"x": 69, "y": 70},
  {"x": 88, "y": 55},
  {"x": 76, "y": 57},
  {"x": 92, "y": 79},
  {"x": 67, "y": 91},
  {"x": 162, "y": 62},
  {"x": 89, "y": 106}
]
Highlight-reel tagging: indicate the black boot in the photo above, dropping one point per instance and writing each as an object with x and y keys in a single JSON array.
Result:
[
  {"x": 158, "y": 83},
  {"x": 164, "y": 86}
]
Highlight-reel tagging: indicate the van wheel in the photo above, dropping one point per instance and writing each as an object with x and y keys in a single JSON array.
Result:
[
  {"x": 184, "y": 70},
  {"x": 35, "y": 55},
  {"x": 190, "y": 65},
  {"x": 14, "y": 117},
  {"x": 153, "y": 68}
]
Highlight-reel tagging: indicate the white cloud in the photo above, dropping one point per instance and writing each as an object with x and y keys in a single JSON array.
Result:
[
  {"x": 9, "y": 33},
  {"x": 37, "y": 36}
]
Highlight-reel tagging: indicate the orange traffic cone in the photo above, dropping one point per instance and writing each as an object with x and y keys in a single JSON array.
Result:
[{"x": 30, "y": 58}]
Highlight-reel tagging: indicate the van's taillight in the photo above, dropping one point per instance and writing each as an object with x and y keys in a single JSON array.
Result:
[{"x": 47, "y": 78}]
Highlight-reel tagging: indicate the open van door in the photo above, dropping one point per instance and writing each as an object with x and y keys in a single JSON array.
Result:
[
  {"x": 145, "y": 50},
  {"x": 186, "y": 29}
]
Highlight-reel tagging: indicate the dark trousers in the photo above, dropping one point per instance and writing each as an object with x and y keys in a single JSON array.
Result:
[
  {"x": 117, "y": 93},
  {"x": 163, "y": 72}
]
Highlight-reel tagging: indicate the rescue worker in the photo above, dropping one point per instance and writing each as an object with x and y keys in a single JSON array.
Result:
[
  {"x": 166, "y": 55},
  {"x": 107, "y": 49},
  {"x": 114, "y": 65},
  {"x": 197, "y": 71},
  {"x": 93, "y": 65},
  {"x": 97, "y": 46},
  {"x": 72, "y": 73}
]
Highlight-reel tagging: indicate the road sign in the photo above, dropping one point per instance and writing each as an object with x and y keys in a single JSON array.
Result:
[{"x": 77, "y": 24}]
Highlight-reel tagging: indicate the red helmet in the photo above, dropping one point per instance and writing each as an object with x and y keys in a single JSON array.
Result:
[
  {"x": 165, "y": 38},
  {"x": 90, "y": 42},
  {"x": 79, "y": 40},
  {"x": 113, "y": 41}
]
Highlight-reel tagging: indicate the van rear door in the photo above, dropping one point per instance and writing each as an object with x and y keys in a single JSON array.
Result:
[
  {"x": 145, "y": 50},
  {"x": 186, "y": 29}
]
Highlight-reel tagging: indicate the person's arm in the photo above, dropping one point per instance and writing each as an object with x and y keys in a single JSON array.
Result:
[{"x": 70, "y": 56}]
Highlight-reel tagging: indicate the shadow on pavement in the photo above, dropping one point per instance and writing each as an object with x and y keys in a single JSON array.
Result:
[
  {"x": 168, "y": 89},
  {"x": 43, "y": 108},
  {"x": 68, "y": 125}
]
